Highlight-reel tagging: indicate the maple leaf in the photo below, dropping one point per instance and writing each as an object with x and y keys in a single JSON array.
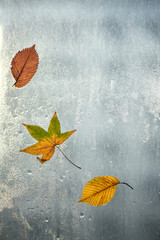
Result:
[
  {"x": 47, "y": 141},
  {"x": 100, "y": 190},
  {"x": 24, "y": 66}
]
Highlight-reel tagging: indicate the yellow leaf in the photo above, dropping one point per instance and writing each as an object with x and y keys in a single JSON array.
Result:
[{"x": 99, "y": 190}]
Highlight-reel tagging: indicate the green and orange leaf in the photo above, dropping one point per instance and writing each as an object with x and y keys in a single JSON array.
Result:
[
  {"x": 47, "y": 141},
  {"x": 100, "y": 190},
  {"x": 24, "y": 65}
]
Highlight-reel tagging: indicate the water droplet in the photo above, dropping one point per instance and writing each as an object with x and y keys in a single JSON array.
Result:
[
  {"x": 90, "y": 219},
  {"x": 57, "y": 238},
  {"x": 61, "y": 179},
  {"x": 46, "y": 220},
  {"x": 29, "y": 172},
  {"x": 81, "y": 215}
]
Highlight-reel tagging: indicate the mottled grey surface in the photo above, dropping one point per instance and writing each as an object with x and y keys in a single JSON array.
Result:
[{"x": 99, "y": 70}]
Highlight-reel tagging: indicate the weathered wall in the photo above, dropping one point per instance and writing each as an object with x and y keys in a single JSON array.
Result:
[{"x": 99, "y": 70}]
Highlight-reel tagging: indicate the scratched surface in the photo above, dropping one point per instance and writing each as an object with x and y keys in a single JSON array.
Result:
[{"x": 99, "y": 70}]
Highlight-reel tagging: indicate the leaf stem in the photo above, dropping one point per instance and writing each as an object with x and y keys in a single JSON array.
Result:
[
  {"x": 126, "y": 184},
  {"x": 13, "y": 84},
  {"x": 67, "y": 157}
]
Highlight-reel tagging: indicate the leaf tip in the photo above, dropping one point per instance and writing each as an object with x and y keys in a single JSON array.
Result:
[
  {"x": 24, "y": 124},
  {"x": 41, "y": 160},
  {"x": 73, "y": 131}
]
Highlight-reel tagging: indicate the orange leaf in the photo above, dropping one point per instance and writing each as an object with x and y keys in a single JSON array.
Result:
[
  {"x": 99, "y": 190},
  {"x": 38, "y": 148},
  {"x": 24, "y": 66}
]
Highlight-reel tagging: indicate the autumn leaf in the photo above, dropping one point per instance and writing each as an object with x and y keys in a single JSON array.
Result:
[
  {"x": 100, "y": 190},
  {"x": 47, "y": 141},
  {"x": 24, "y": 66}
]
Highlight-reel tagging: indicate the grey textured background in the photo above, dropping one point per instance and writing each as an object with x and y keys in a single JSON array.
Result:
[{"x": 99, "y": 70}]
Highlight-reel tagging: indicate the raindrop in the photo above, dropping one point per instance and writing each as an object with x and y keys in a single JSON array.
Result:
[
  {"x": 29, "y": 172},
  {"x": 57, "y": 238},
  {"x": 90, "y": 219},
  {"x": 46, "y": 220},
  {"x": 81, "y": 215},
  {"x": 61, "y": 179}
]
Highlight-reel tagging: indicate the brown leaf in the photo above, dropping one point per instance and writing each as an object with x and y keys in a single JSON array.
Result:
[{"x": 24, "y": 66}]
